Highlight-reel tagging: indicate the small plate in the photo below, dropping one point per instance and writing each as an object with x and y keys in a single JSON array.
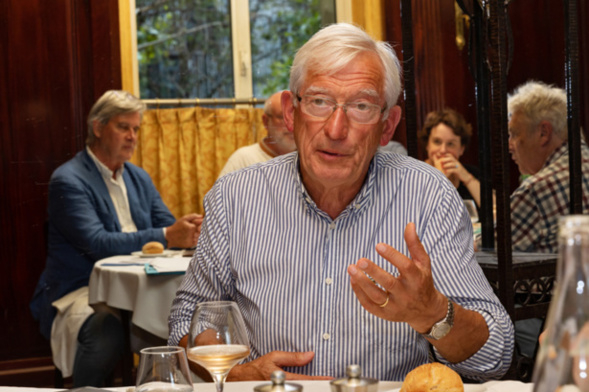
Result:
[{"x": 167, "y": 253}]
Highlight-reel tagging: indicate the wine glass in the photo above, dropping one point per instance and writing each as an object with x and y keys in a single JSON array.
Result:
[
  {"x": 163, "y": 369},
  {"x": 472, "y": 210},
  {"x": 218, "y": 339}
]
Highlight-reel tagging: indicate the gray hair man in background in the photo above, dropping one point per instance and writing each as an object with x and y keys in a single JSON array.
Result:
[{"x": 279, "y": 140}]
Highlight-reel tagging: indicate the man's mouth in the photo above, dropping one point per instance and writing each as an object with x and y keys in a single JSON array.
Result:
[{"x": 331, "y": 153}]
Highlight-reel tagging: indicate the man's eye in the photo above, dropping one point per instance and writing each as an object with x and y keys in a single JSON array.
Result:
[
  {"x": 319, "y": 102},
  {"x": 361, "y": 106}
]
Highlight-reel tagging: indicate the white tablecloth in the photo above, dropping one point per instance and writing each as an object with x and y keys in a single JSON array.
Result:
[
  {"x": 316, "y": 386},
  {"x": 149, "y": 297}
]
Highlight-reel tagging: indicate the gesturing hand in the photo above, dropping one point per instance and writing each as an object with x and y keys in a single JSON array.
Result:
[{"x": 410, "y": 297}]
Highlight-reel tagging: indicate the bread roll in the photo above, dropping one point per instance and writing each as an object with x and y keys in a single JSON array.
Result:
[
  {"x": 153, "y": 247},
  {"x": 432, "y": 377}
]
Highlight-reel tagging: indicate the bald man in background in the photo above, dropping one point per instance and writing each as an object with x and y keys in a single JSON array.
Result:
[{"x": 278, "y": 142}]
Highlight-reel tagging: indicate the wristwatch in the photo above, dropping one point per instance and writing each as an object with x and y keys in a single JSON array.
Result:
[{"x": 442, "y": 327}]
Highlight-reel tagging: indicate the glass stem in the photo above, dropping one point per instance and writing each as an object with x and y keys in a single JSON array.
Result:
[{"x": 219, "y": 381}]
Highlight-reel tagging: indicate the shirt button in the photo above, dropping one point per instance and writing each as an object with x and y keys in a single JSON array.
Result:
[
  {"x": 357, "y": 206},
  {"x": 326, "y": 336},
  {"x": 332, "y": 226},
  {"x": 328, "y": 281}
]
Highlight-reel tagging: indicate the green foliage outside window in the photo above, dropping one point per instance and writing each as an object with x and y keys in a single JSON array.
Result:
[{"x": 184, "y": 46}]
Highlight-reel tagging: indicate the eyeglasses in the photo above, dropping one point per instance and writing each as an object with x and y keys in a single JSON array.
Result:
[{"x": 357, "y": 112}]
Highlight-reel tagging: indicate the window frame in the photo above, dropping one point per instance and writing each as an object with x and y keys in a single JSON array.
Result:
[{"x": 365, "y": 13}]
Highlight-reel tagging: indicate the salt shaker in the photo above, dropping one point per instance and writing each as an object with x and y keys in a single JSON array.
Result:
[
  {"x": 278, "y": 385},
  {"x": 354, "y": 383}
]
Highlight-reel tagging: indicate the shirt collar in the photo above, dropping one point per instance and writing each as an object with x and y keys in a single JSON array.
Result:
[
  {"x": 106, "y": 173},
  {"x": 359, "y": 202}
]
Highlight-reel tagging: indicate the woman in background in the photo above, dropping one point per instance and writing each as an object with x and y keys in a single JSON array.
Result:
[{"x": 446, "y": 135}]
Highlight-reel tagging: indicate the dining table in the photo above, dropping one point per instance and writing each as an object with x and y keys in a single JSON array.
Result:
[
  {"x": 308, "y": 386},
  {"x": 144, "y": 295},
  {"x": 123, "y": 282},
  {"x": 141, "y": 288}
]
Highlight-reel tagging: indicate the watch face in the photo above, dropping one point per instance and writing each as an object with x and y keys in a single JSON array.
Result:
[{"x": 439, "y": 331}]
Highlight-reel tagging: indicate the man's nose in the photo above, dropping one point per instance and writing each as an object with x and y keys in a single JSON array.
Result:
[{"x": 336, "y": 126}]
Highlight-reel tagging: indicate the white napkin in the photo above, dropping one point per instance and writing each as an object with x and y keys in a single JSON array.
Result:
[{"x": 170, "y": 264}]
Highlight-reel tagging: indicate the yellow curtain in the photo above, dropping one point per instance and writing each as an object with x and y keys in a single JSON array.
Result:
[{"x": 183, "y": 150}]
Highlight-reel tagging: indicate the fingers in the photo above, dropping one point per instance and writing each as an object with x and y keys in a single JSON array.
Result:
[
  {"x": 404, "y": 264},
  {"x": 368, "y": 293},
  {"x": 416, "y": 249},
  {"x": 262, "y": 367},
  {"x": 182, "y": 234},
  {"x": 285, "y": 358},
  {"x": 297, "y": 359}
]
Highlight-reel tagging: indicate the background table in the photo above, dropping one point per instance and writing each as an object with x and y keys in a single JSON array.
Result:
[
  {"x": 148, "y": 297},
  {"x": 144, "y": 300}
]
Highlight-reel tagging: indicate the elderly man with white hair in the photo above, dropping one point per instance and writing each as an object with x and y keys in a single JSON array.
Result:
[
  {"x": 538, "y": 143},
  {"x": 339, "y": 254}
]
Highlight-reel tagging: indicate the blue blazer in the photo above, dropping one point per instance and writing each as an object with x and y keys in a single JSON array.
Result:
[{"x": 83, "y": 227}]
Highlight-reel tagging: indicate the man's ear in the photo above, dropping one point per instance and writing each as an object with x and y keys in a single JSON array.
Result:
[
  {"x": 97, "y": 128},
  {"x": 390, "y": 125},
  {"x": 265, "y": 120},
  {"x": 286, "y": 100},
  {"x": 545, "y": 132}
]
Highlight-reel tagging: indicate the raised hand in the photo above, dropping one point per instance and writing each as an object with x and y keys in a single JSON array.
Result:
[{"x": 408, "y": 297}]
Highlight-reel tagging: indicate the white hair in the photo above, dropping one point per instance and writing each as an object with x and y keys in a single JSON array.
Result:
[
  {"x": 334, "y": 46},
  {"x": 538, "y": 102}
]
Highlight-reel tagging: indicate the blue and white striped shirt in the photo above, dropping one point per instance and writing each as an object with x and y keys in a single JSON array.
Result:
[{"x": 266, "y": 245}]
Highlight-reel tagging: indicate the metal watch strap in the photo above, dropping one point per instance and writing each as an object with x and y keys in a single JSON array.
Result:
[{"x": 442, "y": 327}]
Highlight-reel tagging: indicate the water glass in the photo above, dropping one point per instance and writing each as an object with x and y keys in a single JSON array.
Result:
[{"x": 163, "y": 369}]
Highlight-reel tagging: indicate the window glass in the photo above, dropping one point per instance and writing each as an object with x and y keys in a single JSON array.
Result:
[
  {"x": 185, "y": 51},
  {"x": 278, "y": 29},
  {"x": 184, "y": 48}
]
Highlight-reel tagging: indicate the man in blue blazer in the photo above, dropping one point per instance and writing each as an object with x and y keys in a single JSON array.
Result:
[{"x": 100, "y": 205}]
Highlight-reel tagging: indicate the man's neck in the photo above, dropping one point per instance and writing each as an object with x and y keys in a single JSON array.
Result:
[
  {"x": 104, "y": 159},
  {"x": 333, "y": 199}
]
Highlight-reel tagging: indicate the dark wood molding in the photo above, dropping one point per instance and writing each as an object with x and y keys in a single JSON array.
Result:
[{"x": 58, "y": 57}]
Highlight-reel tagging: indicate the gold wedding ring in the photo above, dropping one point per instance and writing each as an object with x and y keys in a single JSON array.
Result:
[{"x": 385, "y": 302}]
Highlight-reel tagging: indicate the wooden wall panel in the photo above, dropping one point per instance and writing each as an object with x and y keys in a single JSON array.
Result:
[
  {"x": 58, "y": 57},
  {"x": 539, "y": 50},
  {"x": 393, "y": 35},
  {"x": 441, "y": 69}
]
